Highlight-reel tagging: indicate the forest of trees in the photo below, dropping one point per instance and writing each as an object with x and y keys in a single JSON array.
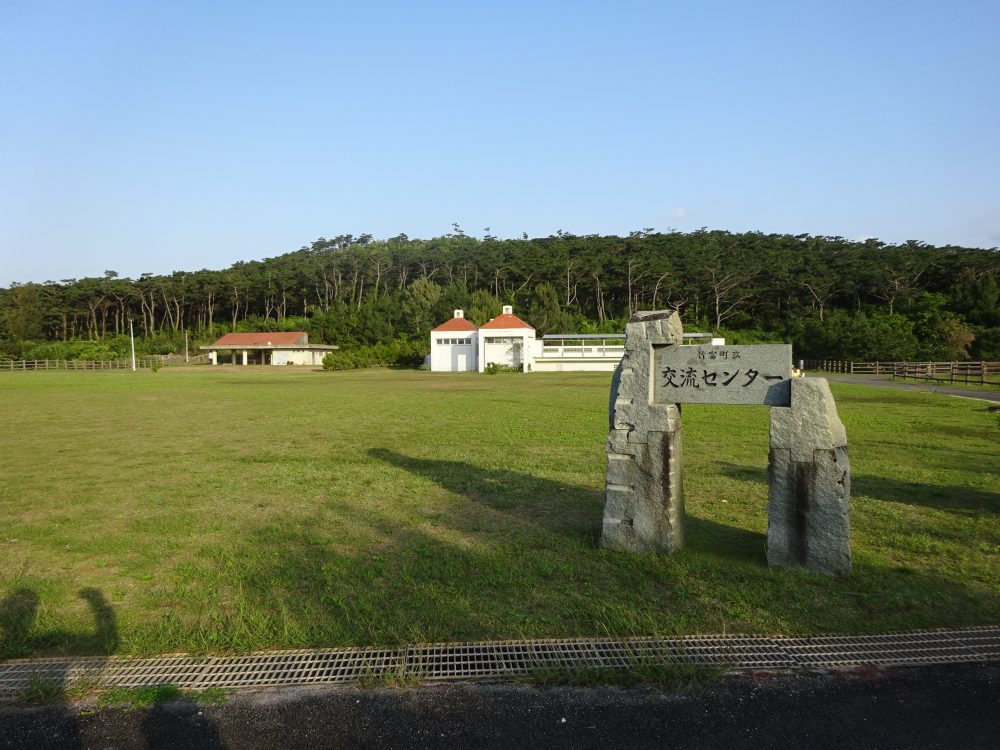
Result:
[{"x": 828, "y": 296}]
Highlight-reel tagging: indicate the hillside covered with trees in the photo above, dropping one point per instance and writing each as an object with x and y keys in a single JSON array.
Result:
[{"x": 829, "y": 297}]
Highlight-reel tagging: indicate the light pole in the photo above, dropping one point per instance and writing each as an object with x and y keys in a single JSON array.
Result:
[{"x": 132, "y": 338}]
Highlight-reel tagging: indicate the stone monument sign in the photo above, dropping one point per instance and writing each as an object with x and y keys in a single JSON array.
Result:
[
  {"x": 808, "y": 468},
  {"x": 644, "y": 496},
  {"x": 809, "y": 483},
  {"x": 757, "y": 374}
]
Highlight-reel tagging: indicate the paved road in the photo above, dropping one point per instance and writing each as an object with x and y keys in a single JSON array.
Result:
[
  {"x": 956, "y": 706},
  {"x": 983, "y": 395}
]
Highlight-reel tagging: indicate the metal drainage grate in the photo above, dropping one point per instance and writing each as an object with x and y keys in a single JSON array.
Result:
[
  {"x": 503, "y": 659},
  {"x": 928, "y": 647}
]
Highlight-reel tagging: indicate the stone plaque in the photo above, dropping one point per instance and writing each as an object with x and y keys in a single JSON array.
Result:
[{"x": 734, "y": 374}]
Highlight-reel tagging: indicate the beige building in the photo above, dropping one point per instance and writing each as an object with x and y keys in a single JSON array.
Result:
[{"x": 268, "y": 348}]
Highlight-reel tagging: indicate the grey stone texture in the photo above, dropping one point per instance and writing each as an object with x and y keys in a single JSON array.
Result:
[
  {"x": 809, "y": 487},
  {"x": 727, "y": 374},
  {"x": 644, "y": 497}
]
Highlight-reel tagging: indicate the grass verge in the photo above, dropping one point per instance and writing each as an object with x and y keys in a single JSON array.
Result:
[{"x": 238, "y": 509}]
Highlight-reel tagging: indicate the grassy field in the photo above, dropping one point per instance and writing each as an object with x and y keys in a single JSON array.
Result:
[{"x": 231, "y": 509}]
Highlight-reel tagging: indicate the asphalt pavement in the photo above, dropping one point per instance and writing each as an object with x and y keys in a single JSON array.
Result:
[{"x": 918, "y": 707}]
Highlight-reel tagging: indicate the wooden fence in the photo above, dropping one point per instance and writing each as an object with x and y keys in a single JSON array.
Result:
[
  {"x": 160, "y": 360},
  {"x": 975, "y": 373},
  {"x": 15, "y": 365}
]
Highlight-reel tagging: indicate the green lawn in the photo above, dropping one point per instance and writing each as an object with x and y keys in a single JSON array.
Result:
[{"x": 232, "y": 509}]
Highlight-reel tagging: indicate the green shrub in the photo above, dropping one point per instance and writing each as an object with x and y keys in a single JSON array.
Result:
[
  {"x": 493, "y": 368},
  {"x": 11, "y": 349},
  {"x": 77, "y": 349},
  {"x": 111, "y": 347},
  {"x": 397, "y": 353}
]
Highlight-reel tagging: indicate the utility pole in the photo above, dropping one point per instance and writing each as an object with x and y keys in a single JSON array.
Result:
[
  {"x": 186, "y": 358},
  {"x": 131, "y": 336}
]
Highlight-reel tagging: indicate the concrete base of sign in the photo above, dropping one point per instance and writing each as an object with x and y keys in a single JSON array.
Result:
[
  {"x": 809, "y": 488},
  {"x": 644, "y": 495}
]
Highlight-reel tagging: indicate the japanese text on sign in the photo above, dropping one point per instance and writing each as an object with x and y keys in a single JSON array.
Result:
[{"x": 753, "y": 374}]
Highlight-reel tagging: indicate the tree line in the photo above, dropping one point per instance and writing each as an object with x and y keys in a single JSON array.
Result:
[{"x": 828, "y": 296}]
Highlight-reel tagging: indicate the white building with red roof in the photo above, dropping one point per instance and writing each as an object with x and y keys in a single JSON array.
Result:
[
  {"x": 459, "y": 346},
  {"x": 268, "y": 348},
  {"x": 507, "y": 340},
  {"x": 454, "y": 345}
]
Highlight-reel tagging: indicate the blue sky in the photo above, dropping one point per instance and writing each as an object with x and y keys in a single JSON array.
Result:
[{"x": 151, "y": 137}]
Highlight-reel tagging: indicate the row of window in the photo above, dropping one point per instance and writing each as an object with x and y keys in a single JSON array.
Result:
[{"x": 489, "y": 340}]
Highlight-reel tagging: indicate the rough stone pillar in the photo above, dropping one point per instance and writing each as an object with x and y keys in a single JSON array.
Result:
[
  {"x": 644, "y": 498},
  {"x": 809, "y": 488}
]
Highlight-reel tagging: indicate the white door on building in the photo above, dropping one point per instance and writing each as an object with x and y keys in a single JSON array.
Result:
[{"x": 461, "y": 361}]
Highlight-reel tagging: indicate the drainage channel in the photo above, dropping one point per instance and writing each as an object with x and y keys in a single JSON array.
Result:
[{"x": 497, "y": 660}]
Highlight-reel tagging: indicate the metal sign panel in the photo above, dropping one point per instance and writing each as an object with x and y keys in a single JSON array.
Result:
[{"x": 751, "y": 374}]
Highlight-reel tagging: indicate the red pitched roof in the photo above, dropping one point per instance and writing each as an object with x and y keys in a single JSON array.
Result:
[
  {"x": 456, "y": 324},
  {"x": 265, "y": 338},
  {"x": 507, "y": 320}
]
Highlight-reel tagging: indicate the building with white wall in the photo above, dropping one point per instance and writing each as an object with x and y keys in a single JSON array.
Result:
[
  {"x": 589, "y": 352},
  {"x": 268, "y": 348},
  {"x": 455, "y": 345},
  {"x": 593, "y": 352},
  {"x": 507, "y": 340},
  {"x": 459, "y": 346}
]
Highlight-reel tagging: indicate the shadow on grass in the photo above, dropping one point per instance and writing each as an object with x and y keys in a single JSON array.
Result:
[
  {"x": 517, "y": 560},
  {"x": 19, "y": 636},
  {"x": 417, "y": 587},
  {"x": 942, "y": 497},
  {"x": 178, "y": 722},
  {"x": 19, "y": 610},
  {"x": 17, "y": 614},
  {"x": 755, "y": 474},
  {"x": 409, "y": 588},
  {"x": 726, "y": 543},
  {"x": 964, "y": 500},
  {"x": 549, "y": 505}
]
